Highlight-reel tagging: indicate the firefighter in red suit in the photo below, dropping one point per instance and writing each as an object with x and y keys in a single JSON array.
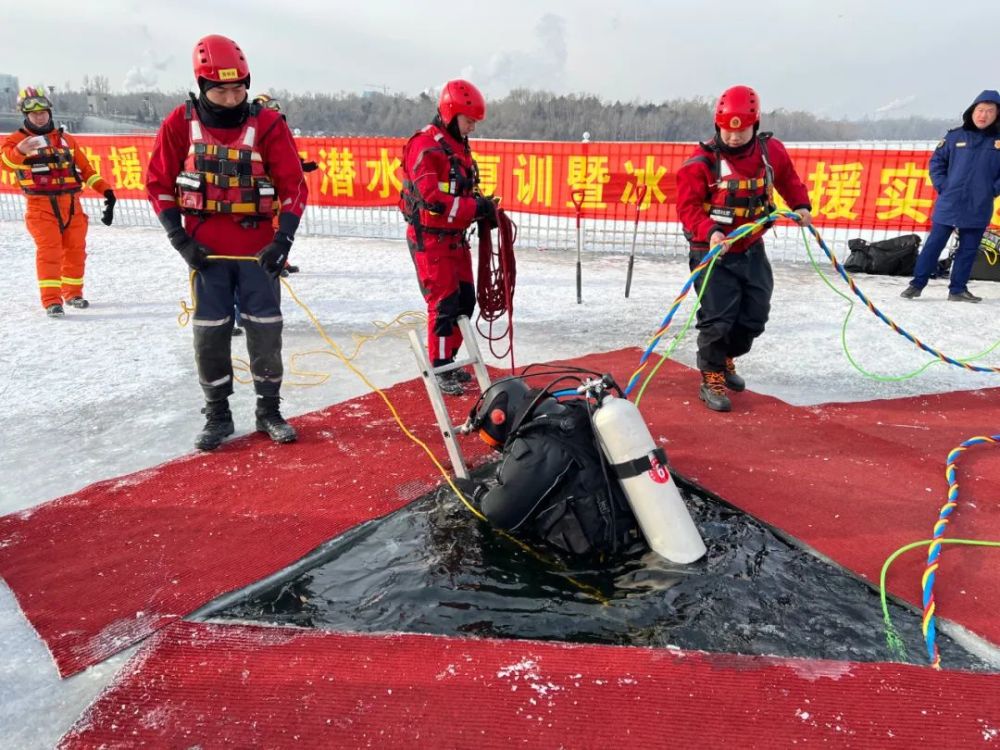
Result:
[
  {"x": 440, "y": 200},
  {"x": 219, "y": 171},
  {"x": 727, "y": 182}
]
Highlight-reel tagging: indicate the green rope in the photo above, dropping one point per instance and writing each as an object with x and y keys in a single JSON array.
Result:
[
  {"x": 680, "y": 334},
  {"x": 892, "y": 638},
  {"x": 843, "y": 332}
]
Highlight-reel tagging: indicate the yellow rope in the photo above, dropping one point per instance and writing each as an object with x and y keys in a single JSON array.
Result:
[{"x": 398, "y": 326}]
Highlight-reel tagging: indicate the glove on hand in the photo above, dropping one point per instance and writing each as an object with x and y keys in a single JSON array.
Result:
[
  {"x": 309, "y": 166},
  {"x": 109, "y": 208},
  {"x": 486, "y": 210},
  {"x": 472, "y": 489},
  {"x": 275, "y": 254},
  {"x": 195, "y": 255}
]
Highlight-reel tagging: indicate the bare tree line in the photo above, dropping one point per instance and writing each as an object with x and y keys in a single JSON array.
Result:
[{"x": 521, "y": 115}]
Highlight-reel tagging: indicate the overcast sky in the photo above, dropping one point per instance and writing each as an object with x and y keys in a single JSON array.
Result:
[{"x": 837, "y": 58}]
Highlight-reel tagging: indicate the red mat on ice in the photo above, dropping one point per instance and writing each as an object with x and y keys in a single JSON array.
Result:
[
  {"x": 215, "y": 686},
  {"x": 99, "y": 570}
]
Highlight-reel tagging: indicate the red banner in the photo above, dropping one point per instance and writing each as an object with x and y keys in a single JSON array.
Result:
[{"x": 863, "y": 188}]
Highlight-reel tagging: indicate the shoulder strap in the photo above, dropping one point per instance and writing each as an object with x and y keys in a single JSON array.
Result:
[
  {"x": 270, "y": 127},
  {"x": 710, "y": 159},
  {"x": 762, "y": 139}
]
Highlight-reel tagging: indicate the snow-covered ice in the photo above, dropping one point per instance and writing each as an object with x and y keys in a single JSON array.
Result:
[{"x": 112, "y": 389}]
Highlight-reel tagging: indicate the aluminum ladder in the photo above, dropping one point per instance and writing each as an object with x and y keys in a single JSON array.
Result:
[{"x": 429, "y": 373}]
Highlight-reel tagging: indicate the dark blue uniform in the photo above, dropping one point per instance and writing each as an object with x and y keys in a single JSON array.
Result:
[{"x": 965, "y": 172}]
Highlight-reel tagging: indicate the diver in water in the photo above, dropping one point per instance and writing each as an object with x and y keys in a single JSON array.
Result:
[{"x": 553, "y": 483}]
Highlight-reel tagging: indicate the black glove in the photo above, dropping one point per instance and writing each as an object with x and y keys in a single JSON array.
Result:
[
  {"x": 486, "y": 210},
  {"x": 275, "y": 254},
  {"x": 472, "y": 489},
  {"x": 309, "y": 166},
  {"x": 195, "y": 255},
  {"x": 109, "y": 208}
]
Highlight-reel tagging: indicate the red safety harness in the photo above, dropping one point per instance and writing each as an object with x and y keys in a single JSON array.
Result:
[
  {"x": 221, "y": 179},
  {"x": 50, "y": 171},
  {"x": 738, "y": 199}
]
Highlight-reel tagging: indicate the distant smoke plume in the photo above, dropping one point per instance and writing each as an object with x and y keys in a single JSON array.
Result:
[
  {"x": 896, "y": 104},
  {"x": 543, "y": 66},
  {"x": 143, "y": 77}
]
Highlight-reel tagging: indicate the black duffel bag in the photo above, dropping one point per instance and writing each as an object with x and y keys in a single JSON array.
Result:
[
  {"x": 986, "y": 266},
  {"x": 893, "y": 257}
]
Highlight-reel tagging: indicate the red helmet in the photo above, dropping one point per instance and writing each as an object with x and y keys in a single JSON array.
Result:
[
  {"x": 738, "y": 108},
  {"x": 461, "y": 98},
  {"x": 220, "y": 59}
]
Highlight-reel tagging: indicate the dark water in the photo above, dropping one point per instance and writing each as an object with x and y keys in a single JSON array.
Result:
[{"x": 433, "y": 568}]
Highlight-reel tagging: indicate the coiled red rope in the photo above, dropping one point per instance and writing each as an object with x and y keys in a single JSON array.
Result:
[{"x": 495, "y": 284}]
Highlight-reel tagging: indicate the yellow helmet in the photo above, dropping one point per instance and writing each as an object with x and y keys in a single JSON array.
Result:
[
  {"x": 267, "y": 102},
  {"x": 33, "y": 99}
]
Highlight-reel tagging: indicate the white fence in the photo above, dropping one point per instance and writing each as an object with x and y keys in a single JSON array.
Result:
[{"x": 534, "y": 230}]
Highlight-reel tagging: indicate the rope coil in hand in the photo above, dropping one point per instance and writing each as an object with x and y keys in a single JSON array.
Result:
[{"x": 495, "y": 283}]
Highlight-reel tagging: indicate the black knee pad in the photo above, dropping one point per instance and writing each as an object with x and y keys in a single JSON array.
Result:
[
  {"x": 466, "y": 298},
  {"x": 448, "y": 311}
]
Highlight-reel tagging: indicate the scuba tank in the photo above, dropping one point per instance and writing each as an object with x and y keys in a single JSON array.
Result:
[{"x": 641, "y": 468}]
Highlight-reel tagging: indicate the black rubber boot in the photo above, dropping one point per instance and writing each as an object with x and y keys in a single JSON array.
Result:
[
  {"x": 713, "y": 391},
  {"x": 218, "y": 425},
  {"x": 269, "y": 420}
]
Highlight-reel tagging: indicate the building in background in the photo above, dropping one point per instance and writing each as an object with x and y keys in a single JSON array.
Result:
[{"x": 8, "y": 92}]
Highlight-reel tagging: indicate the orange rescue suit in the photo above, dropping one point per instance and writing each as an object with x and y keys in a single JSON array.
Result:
[{"x": 51, "y": 179}]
